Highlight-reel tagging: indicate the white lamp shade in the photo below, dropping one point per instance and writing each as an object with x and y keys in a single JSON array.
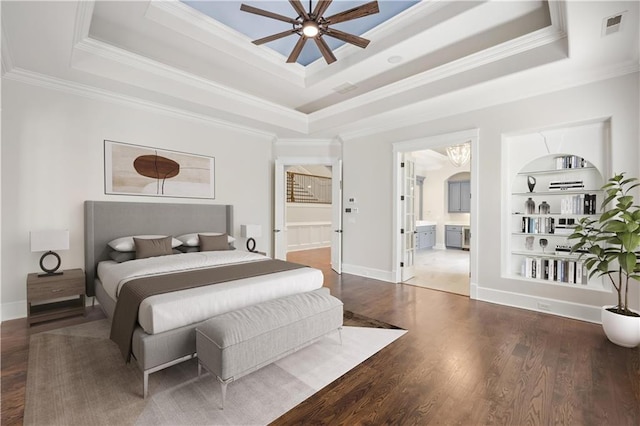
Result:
[
  {"x": 49, "y": 240},
  {"x": 250, "y": 231}
]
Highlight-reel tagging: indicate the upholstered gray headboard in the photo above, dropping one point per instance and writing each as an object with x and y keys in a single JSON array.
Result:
[{"x": 106, "y": 220}]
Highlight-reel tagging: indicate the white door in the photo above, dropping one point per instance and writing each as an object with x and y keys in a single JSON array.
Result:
[
  {"x": 336, "y": 216},
  {"x": 279, "y": 228},
  {"x": 407, "y": 170}
]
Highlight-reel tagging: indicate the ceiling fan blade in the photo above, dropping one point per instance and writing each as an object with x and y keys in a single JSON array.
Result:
[
  {"x": 325, "y": 50},
  {"x": 357, "y": 12},
  {"x": 299, "y": 8},
  {"x": 296, "y": 50},
  {"x": 321, "y": 7},
  {"x": 262, "y": 12},
  {"x": 346, "y": 37},
  {"x": 273, "y": 37}
]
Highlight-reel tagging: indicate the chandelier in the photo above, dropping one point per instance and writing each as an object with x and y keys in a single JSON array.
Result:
[{"x": 459, "y": 154}]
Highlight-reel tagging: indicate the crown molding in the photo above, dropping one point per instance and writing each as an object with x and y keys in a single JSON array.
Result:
[
  {"x": 90, "y": 92},
  {"x": 132, "y": 60},
  {"x": 82, "y": 25},
  {"x": 536, "y": 39},
  {"x": 235, "y": 101},
  {"x": 415, "y": 114},
  {"x": 186, "y": 20},
  {"x": 7, "y": 57}
]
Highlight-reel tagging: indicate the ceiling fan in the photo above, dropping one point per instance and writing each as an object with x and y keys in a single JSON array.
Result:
[{"x": 313, "y": 25}]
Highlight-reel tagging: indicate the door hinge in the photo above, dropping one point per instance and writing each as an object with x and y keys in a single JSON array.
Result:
[
  {"x": 402, "y": 164},
  {"x": 402, "y": 230},
  {"x": 402, "y": 198},
  {"x": 402, "y": 264}
]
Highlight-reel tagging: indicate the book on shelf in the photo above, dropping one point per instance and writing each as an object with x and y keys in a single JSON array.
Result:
[
  {"x": 538, "y": 225},
  {"x": 570, "y": 162},
  {"x": 579, "y": 272},
  {"x": 549, "y": 269},
  {"x": 564, "y": 185},
  {"x": 571, "y": 276},
  {"x": 579, "y": 204}
]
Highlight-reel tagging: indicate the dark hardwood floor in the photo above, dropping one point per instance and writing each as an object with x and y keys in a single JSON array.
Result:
[{"x": 461, "y": 362}]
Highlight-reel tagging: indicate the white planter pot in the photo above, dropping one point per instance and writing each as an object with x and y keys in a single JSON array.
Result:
[{"x": 621, "y": 329}]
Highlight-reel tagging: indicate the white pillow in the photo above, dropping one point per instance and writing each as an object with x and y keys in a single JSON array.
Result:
[
  {"x": 191, "y": 240},
  {"x": 127, "y": 244}
]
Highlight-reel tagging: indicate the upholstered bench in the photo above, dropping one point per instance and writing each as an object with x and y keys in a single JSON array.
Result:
[{"x": 236, "y": 343}]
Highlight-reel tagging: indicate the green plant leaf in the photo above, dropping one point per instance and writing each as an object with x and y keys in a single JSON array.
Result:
[
  {"x": 608, "y": 215},
  {"x": 627, "y": 262},
  {"x": 615, "y": 226},
  {"x": 610, "y": 196}
]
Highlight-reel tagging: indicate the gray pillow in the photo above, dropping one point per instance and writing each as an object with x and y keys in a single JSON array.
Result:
[
  {"x": 151, "y": 247},
  {"x": 213, "y": 242},
  {"x": 122, "y": 256}
]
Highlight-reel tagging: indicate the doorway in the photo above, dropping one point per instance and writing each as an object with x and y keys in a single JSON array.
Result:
[
  {"x": 437, "y": 261},
  {"x": 441, "y": 260},
  {"x": 307, "y": 207}
]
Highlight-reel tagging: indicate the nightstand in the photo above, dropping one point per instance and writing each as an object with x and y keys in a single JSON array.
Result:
[{"x": 41, "y": 289}]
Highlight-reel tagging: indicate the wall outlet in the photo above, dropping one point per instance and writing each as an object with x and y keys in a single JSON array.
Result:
[{"x": 544, "y": 306}]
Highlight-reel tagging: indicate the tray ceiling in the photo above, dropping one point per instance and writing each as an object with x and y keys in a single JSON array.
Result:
[{"x": 428, "y": 60}]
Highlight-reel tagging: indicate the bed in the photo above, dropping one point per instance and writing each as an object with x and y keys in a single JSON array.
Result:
[{"x": 164, "y": 335}]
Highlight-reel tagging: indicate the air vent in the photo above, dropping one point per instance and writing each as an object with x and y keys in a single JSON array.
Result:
[
  {"x": 612, "y": 24},
  {"x": 345, "y": 88}
]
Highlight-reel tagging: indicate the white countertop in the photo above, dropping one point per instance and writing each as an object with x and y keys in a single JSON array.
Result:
[{"x": 425, "y": 223}]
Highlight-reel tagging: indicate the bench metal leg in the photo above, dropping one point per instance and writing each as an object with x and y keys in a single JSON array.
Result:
[
  {"x": 145, "y": 383},
  {"x": 223, "y": 390}
]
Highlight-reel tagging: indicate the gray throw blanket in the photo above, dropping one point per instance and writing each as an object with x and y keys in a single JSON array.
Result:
[{"x": 125, "y": 317}]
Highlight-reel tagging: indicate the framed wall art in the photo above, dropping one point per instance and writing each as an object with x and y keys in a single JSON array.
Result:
[{"x": 140, "y": 170}]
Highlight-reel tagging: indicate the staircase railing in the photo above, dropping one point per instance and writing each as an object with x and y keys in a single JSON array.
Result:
[{"x": 302, "y": 188}]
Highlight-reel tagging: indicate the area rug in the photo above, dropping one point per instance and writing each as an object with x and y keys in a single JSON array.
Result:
[{"x": 76, "y": 376}]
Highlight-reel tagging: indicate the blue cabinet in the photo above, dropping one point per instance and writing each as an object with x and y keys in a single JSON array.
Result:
[
  {"x": 453, "y": 236},
  {"x": 425, "y": 237},
  {"x": 459, "y": 196}
]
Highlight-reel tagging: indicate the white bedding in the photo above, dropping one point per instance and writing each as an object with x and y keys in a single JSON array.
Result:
[{"x": 172, "y": 310}]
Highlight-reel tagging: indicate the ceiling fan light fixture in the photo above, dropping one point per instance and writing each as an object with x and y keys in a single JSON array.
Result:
[
  {"x": 313, "y": 25},
  {"x": 310, "y": 29}
]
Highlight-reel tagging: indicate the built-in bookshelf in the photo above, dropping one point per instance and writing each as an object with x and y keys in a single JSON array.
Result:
[{"x": 568, "y": 189}]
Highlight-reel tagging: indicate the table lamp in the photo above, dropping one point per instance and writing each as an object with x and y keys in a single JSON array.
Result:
[
  {"x": 251, "y": 232},
  {"x": 48, "y": 241}
]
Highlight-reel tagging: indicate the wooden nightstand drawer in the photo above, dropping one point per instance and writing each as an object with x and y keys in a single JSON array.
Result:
[
  {"x": 70, "y": 283},
  {"x": 52, "y": 290}
]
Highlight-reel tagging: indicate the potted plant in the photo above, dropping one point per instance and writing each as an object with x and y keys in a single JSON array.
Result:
[{"x": 608, "y": 245}]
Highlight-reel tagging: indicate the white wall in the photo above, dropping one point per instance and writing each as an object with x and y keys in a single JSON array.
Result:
[
  {"x": 368, "y": 165},
  {"x": 52, "y": 161}
]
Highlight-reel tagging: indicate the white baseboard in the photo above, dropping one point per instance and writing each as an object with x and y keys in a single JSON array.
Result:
[
  {"x": 360, "y": 271},
  {"x": 549, "y": 306}
]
